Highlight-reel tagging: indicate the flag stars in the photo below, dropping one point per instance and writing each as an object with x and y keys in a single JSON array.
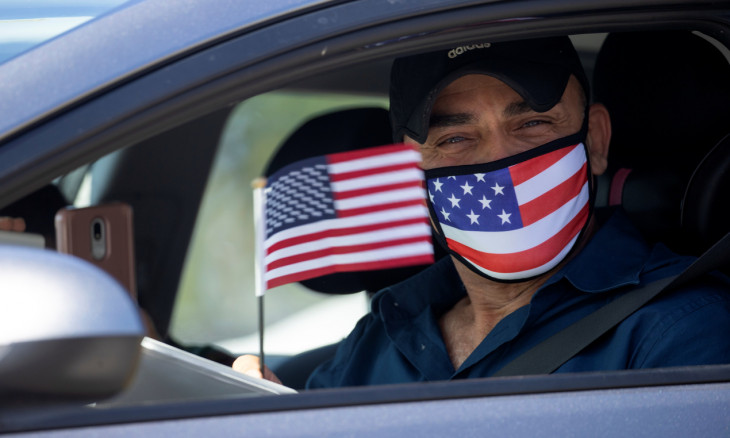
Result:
[
  {"x": 437, "y": 185},
  {"x": 454, "y": 201},
  {"x": 445, "y": 214},
  {"x": 505, "y": 217},
  {"x": 467, "y": 188},
  {"x": 474, "y": 218},
  {"x": 497, "y": 189},
  {"x": 480, "y": 177},
  {"x": 486, "y": 203}
]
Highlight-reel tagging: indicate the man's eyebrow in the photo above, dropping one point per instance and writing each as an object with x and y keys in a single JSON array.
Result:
[
  {"x": 517, "y": 108},
  {"x": 446, "y": 120}
]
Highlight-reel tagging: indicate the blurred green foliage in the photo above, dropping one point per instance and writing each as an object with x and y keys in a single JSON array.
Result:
[{"x": 216, "y": 296}]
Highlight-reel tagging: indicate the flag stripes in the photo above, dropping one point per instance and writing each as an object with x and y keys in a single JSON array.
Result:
[{"x": 380, "y": 219}]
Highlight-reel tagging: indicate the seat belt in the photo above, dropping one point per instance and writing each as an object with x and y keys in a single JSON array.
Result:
[{"x": 550, "y": 354}]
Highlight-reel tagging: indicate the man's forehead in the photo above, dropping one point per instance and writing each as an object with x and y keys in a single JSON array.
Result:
[
  {"x": 442, "y": 119},
  {"x": 453, "y": 115}
]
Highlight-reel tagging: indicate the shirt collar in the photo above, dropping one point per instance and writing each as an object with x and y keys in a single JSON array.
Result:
[
  {"x": 438, "y": 287},
  {"x": 614, "y": 257}
]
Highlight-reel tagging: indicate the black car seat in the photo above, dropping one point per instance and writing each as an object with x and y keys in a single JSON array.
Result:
[
  {"x": 705, "y": 215},
  {"x": 335, "y": 132},
  {"x": 668, "y": 95}
]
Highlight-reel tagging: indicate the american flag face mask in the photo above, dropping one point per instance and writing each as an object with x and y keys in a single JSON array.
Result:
[{"x": 516, "y": 218}]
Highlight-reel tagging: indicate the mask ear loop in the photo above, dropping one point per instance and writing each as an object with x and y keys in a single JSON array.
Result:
[
  {"x": 591, "y": 180},
  {"x": 592, "y": 186}
]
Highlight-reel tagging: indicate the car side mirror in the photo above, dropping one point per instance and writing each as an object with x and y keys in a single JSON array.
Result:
[{"x": 68, "y": 330}]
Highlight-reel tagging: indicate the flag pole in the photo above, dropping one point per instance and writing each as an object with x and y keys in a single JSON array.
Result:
[{"x": 259, "y": 200}]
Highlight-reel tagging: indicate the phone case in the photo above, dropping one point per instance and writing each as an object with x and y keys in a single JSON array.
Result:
[{"x": 102, "y": 235}]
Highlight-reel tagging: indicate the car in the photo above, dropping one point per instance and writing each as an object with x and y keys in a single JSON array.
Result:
[{"x": 173, "y": 108}]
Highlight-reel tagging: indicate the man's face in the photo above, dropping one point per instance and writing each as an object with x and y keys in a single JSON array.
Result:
[{"x": 479, "y": 119}]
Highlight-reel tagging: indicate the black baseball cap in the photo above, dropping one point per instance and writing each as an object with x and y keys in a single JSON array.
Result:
[{"x": 537, "y": 69}]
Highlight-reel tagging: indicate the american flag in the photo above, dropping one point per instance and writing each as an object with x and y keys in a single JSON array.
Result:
[
  {"x": 508, "y": 222},
  {"x": 349, "y": 211}
]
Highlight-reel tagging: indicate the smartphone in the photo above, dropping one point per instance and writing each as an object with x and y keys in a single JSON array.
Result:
[{"x": 102, "y": 235}]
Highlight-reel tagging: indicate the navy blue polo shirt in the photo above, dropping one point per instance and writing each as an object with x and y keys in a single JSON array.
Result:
[{"x": 400, "y": 341}]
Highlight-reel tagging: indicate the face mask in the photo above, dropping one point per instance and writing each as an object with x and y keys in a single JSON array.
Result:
[{"x": 516, "y": 218}]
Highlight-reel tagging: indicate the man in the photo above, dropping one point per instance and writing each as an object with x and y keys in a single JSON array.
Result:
[{"x": 510, "y": 147}]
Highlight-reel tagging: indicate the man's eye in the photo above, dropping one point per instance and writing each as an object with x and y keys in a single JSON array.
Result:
[
  {"x": 453, "y": 140},
  {"x": 532, "y": 123}
]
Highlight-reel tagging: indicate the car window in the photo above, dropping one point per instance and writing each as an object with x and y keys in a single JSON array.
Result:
[
  {"x": 216, "y": 302},
  {"x": 27, "y": 23}
]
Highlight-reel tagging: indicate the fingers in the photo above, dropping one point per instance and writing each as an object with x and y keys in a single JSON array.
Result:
[
  {"x": 12, "y": 224},
  {"x": 270, "y": 376},
  {"x": 251, "y": 365}
]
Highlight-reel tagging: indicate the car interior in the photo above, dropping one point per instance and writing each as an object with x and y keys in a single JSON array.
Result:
[{"x": 666, "y": 91}]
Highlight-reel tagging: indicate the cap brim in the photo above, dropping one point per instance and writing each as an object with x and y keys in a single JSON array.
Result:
[{"x": 541, "y": 91}]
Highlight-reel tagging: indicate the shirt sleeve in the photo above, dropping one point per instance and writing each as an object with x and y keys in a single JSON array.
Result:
[
  {"x": 330, "y": 374},
  {"x": 695, "y": 333}
]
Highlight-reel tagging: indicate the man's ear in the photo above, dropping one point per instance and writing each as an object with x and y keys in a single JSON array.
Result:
[{"x": 599, "y": 137}]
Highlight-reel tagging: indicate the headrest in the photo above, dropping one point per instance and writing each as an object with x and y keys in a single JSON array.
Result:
[
  {"x": 692, "y": 215},
  {"x": 652, "y": 199},
  {"x": 669, "y": 100},
  {"x": 668, "y": 95},
  {"x": 338, "y": 132}
]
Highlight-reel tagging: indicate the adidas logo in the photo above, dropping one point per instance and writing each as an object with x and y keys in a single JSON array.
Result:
[{"x": 453, "y": 53}]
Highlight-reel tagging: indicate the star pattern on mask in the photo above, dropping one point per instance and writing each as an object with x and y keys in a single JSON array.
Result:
[
  {"x": 484, "y": 201},
  {"x": 445, "y": 214},
  {"x": 473, "y": 217},
  {"x": 467, "y": 188},
  {"x": 498, "y": 190},
  {"x": 504, "y": 216},
  {"x": 454, "y": 201},
  {"x": 476, "y": 202}
]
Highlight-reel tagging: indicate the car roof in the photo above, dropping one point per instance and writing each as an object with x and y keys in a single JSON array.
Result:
[
  {"x": 141, "y": 36},
  {"x": 116, "y": 46},
  {"x": 27, "y": 23}
]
